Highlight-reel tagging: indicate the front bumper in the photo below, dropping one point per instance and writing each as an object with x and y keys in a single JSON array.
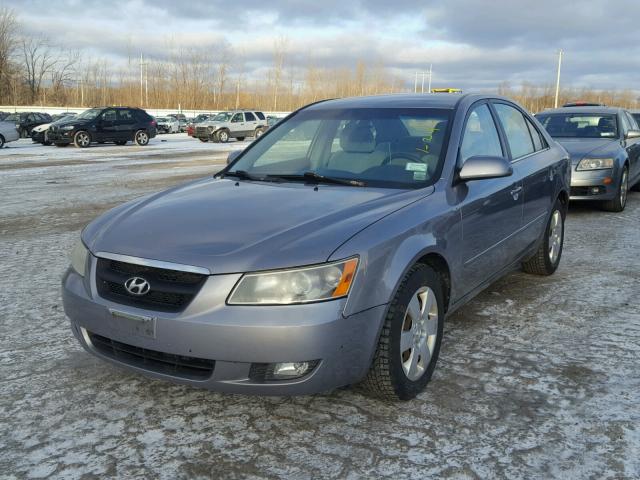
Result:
[
  {"x": 593, "y": 184},
  {"x": 60, "y": 136},
  {"x": 37, "y": 137},
  {"x": 234, "y": 337}
]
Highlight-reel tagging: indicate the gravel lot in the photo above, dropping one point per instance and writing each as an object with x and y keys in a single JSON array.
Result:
[{"x": 538, "y": 377}]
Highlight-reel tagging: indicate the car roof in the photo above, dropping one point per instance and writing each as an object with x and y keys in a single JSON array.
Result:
[
  {"x": 399, "y": 100},
  {"x": 595, "y": 110}
]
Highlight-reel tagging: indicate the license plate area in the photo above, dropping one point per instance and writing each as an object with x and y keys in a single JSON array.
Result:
[{"x": 131, "y": 324}]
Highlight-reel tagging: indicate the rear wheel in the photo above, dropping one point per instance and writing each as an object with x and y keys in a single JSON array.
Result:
[
  {"x": 141, "y": 138},
  {"x": 82, "y": 139},
  {"x": 222, "y": 136},
  {"x": 547, "y": 258},
  {"x": 620, "y": 201},
  {"x": 409, "y": 343},
  {"x": 258, "y": 133}
]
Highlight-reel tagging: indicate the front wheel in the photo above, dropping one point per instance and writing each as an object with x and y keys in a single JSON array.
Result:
[
  {"x": 547, "y": 257},
  {"x": 82, "y": 139},
  {"x": 258, "y": 133},
  {"x": 409, "y": 343},
  {"x": 222, "y": 136},
  {"x": 618, "y": 203},
  {"x": 141, "y": 138}
]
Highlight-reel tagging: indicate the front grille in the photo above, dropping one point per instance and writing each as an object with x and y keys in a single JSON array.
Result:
[
  {"x": 166, "y": 363},
  {"x": 171, "y": 290},
  {"x": 202, "y": 131}
]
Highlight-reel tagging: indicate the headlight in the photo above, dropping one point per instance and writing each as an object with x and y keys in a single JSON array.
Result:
[
  {"x": 595, "y": 163},
  {"x": 78, "y": 257},
  {"x": 68, "y": 127},
  {"x": 300, "y": 285}
]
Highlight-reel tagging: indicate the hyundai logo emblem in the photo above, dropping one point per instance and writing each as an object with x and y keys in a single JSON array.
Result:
[{"x": 137, "y": 286}]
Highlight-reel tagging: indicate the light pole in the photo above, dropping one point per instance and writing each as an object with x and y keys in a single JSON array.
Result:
[{"x": 555, "y": 102}]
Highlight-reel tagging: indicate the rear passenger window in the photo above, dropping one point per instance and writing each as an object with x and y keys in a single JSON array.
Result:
[
  {"x": 260, "y": 115},
  {"x": 126, "y": 117},
  {"x": 480, "y": 135},
  {"x": 538, "y": 141},
  {"x": 515, "y": 128},
  {"x": 248, "y": 116}
]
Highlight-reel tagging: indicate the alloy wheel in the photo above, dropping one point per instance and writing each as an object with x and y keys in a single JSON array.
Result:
[
  {"x": 419, "y": 333},
  {"x": 624, "y": 186},
  {"x": 142, "y": 138},
  {"x": 555, "y": 236},
  {"x": 83, "y": 139}
]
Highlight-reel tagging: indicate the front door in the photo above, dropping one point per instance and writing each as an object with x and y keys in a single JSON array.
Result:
[
  {"x": 106, "y": 127},
  {"x": 491, "y": 209}
]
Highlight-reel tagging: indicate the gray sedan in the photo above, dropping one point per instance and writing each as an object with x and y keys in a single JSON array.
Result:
[
  {"x": 604, "y": 145},
  {"x": 328, "y": 252},
  {"x": 8, "y": 133}
]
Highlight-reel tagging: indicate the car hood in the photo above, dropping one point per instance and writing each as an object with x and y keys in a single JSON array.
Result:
[
  {"x": 579, "y": 148},
  {"x": 70, "y": 121},
  {"x": 41, "y": 128},
  {"x": 229, "y": 227}
]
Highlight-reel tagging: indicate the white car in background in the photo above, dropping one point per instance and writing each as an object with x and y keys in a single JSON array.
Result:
[
  {"x": 168, "y": 125},
  {"x": 8, "y": 133}
]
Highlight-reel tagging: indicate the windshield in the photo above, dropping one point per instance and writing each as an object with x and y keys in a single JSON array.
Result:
[
  {"x": 580, "y": 125},
  {"x": 222, "y": 117},
  {"x": 394, "y": 148},
  {"x": 14, "y": 117},
  {"x": 90, "y": 114}
]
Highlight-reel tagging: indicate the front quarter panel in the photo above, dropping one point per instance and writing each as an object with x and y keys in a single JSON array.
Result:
[{"x": 389, "y": 247}]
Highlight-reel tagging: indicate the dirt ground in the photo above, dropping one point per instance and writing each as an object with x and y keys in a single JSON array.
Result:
[{"x": 537, "y": 378}]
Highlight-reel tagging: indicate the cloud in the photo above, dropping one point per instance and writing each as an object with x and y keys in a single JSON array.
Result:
[{"x": 473, "y": 44}]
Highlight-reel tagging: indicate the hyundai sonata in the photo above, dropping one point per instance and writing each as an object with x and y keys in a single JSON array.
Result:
[{"x": 328, "y": 252}]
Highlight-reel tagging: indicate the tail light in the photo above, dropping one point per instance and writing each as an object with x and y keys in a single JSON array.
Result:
[{"x": 154, "y": 123}]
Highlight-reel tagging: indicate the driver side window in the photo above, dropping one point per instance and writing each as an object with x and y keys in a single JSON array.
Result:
[
  {"x": 237, "y": 118},
  {"x": 480, "y": 136},
  {"x": 109, "y": 116}
]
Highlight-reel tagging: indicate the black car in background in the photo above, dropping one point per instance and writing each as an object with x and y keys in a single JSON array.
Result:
[
  {"x": 26, "y": 121},
  {"x": 104, "y": 124}
]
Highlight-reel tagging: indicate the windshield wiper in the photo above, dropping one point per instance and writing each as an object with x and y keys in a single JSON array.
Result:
[
  {"x": 314, "y": 177},
  {"x": 243, "y": 174}
]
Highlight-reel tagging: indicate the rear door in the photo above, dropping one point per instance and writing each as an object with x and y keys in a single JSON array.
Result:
[
  {"x": 126, "y": 124},
  {"x": 531, "y": 162},
  {"x": 251, "y": 123},
  {"x": 492, "y": 208}
]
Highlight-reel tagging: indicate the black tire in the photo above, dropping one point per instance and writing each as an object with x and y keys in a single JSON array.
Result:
[
  {"x": 618, "y": 203},
  {"x": 2, "y": 140},
  {"x": 240, "y": 139},
  {"x": 386, "y": 378},
  {"x": 258, "y": 132},
  {"x": 82, "y": 139},
  {"x": 222, "y": 136},
  {"x": 141, "y": 138},
  {"x": 545, "y": 261},
  {"x": 203, "y": 139}
]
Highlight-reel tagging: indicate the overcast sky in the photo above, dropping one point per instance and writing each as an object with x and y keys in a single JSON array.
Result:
[{"x": 472, "y": 44}]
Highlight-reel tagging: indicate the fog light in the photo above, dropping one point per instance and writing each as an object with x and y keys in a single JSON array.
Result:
[
  {"x": 290, "y": 369},
  {"x": 595, "y": 190}
]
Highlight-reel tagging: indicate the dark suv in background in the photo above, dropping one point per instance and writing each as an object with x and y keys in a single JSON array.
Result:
[
  {"x": 26, "y": 121},
  {"x": 105, "y": 124}
]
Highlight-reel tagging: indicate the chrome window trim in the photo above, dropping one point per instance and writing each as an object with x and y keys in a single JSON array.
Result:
[{"x": 148, "y": 262}]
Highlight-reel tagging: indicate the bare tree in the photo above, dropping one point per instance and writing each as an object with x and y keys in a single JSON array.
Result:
[
  {"x": 279, "y": 54},
  {"x": 39, "y": 60},
  {"x": 8, "y": 42}
]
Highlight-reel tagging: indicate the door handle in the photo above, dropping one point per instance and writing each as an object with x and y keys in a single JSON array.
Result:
[{"x": 515, "y": 193}]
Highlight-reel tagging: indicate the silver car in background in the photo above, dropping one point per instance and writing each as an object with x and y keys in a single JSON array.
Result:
[
  {"x": 8, "y": 133},
  {"x": 328, "y": 252}
]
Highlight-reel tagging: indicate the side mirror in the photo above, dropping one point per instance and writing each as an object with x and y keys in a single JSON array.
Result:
[
  {"x": 233, "y": 155},
  {"x": 482, "y": 167},
  {"x": 632, "y": 134}
]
